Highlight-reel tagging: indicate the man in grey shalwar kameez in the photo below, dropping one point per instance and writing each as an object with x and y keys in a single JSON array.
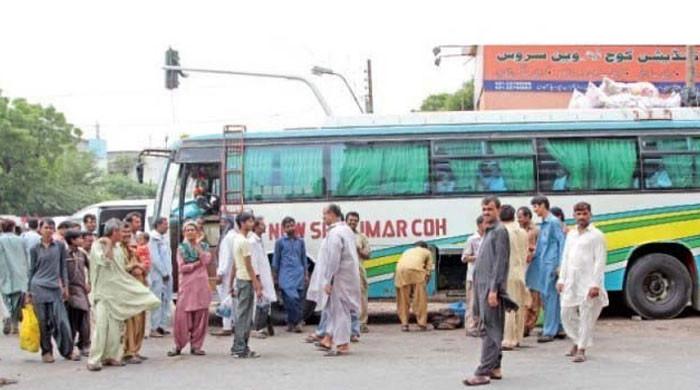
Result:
[
  {"x": 336, "y": 285},
  {"x": 490, "y": 282}
]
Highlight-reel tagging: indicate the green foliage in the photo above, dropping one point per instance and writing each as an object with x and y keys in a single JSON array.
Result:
[
  {"x": 42, "y": 172},
  {"x": 117, "y": 186},
  {"x": 460, "y": 100},
  {"x": 122, "y": 165}
]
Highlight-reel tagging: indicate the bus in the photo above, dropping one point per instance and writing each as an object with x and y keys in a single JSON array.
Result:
[{"x": 421, "y": 176}]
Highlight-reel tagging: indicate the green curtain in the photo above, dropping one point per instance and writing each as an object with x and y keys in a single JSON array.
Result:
[
  {"x": 383, "y": 170},
  {"x": 613, "y": 162},
  {"x": 466, "y": 175},
  {"x": 302, "y": 171},
  {"x": 259, "y": 172},
  {"x": 679, "y": 168},
  {"x": 518, "y": 172},
  {"x": 361, "y": 173},
  {"x": 695, "y": 146},
  {"x": 337, "y": 162},
  {"x": 573, "y": 155},
  {"x": 466, "y": 172}
]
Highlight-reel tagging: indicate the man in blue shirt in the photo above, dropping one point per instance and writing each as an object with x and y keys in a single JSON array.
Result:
[
  {"x": 542, "y": 273},
  {"x": 161, "y": 277},
  {"x": 289, "y": 266}
]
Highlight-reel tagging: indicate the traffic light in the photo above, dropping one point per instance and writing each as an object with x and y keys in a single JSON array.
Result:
[{"x": 172, "y": 58}]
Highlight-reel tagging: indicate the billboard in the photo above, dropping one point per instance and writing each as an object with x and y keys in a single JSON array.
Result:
[{"x": 565, "y": 68}]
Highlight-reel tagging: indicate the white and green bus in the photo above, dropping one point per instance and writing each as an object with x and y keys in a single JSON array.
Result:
[{"x": 422, "y": 176}]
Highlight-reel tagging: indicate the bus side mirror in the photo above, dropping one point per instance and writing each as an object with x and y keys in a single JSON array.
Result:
[{"x": 139, "y": 172}]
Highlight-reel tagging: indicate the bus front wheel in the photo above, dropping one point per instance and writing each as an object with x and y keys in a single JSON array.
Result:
[{"x": 658, "y": 286}]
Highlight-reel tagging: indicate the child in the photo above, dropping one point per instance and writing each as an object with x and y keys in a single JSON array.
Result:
[{"x": 142, "y": 239}]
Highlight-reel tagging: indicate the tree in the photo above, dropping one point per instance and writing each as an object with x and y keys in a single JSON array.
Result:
[
  {"x": 42, "y": 172},
  {"x": 117, "y": 186},
  {"x": 123, "y": 165},
  {"x": 460, "y": 100}
]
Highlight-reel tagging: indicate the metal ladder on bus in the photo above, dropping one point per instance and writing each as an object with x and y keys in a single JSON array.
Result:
[{"x": 232, "y": 169}]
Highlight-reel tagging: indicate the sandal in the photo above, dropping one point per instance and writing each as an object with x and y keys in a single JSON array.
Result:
[
  {"x": 404, "y": 328},
  {"x": 579, "y": 358},
  {"x": 322, "y": 347},
  {"x": 197, "y": 352},
  {"x": 312, "y": 338},
  {"x": 572, "y": 352},
  {"x": 174, "y": 352},
  {"x": 335, "y": 353},
  {"x": 476, "y": 381}
]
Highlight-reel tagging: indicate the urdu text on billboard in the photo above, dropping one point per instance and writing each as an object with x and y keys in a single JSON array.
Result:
[{"x": 565, "y": 68}]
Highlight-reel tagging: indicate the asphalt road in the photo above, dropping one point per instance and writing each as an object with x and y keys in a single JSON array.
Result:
[{"x": 628, "y": 355}]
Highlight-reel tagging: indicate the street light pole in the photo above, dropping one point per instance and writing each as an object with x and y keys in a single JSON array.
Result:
[
  {"x": 318, "y": 71},
  {"x": 312, "y": 86}
]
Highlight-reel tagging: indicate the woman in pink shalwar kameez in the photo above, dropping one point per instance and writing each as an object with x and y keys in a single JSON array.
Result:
[{"x": 193, "y": 295}]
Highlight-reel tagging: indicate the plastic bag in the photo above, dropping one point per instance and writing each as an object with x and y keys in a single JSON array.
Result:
[
  {"x": 225, "y": 308},
  {"x": 29, "y": 330}
]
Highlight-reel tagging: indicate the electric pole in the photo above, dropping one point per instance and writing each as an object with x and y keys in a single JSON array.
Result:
[
  {"x": 369, "y": 99},
  {"x": 690, "y": 94}
]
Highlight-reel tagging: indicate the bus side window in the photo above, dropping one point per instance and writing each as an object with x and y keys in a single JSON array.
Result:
[
  {"x": 577, "y": 164},
  {"x": 464, "y": 166},
  {"x": 381, "y": 169},
  {"x": 671, "y": 162}
]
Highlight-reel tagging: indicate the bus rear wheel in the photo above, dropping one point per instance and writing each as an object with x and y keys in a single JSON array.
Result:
[{"x": 658, "y": 286}]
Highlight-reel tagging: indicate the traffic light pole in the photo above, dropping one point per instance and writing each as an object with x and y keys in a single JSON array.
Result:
[{"x": 312, "y": 86}]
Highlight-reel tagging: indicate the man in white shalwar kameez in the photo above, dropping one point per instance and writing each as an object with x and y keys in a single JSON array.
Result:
[
  {"x": 263, "y": 271},
  {"x": 581, "y": 281},
  {"x": 335, "y": 286},
  {"x": 223, "y": 273}
]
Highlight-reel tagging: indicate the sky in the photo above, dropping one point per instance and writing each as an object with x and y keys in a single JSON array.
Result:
[{"x": 99, "y": 61}]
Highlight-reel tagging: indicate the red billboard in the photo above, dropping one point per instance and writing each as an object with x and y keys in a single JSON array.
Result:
[{"x": 565, "y": 68}]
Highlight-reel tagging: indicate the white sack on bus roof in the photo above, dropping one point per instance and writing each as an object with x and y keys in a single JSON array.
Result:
[{"x": 612, "y": 94}]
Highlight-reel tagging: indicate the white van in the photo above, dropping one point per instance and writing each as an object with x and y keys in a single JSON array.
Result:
[{"x": 105, "y": 211}]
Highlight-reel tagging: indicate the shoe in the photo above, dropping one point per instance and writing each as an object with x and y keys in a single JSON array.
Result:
[
  {"x": 162, "y": 331},
  {"x": 560, "y": 336},
  {"x": 270, "y": 329},
  {"x": 155, "y": 335},
  {"x": 144, "y": 358},
  {"x": 496, "y": 374},
  {"x": 298, "y": 329},
  {"x": 545, "y": 339},
  {"x": 260, "y": 334},
  {"x": 6, "y": 327},
  {"x": 404, "y": 328},
  {"x": 114, "y": 363},
  {"x": 133, "y": 360},
  {"x": 354, "y": 339},
  {"x": 47, "y": 358},
  {"x": 197, "y": 352},
  {"x": 94, "y": 367},
  {"x": 246, "y": 355},
  {"x": 580, "y": 357},
  {"x": 75, "y": 357},
  {"x": 364, "y": 329},
  {"x": 290, "y": 328}
]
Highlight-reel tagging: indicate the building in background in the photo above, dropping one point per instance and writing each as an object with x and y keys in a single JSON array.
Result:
[{"x": 532, "y": 77}]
